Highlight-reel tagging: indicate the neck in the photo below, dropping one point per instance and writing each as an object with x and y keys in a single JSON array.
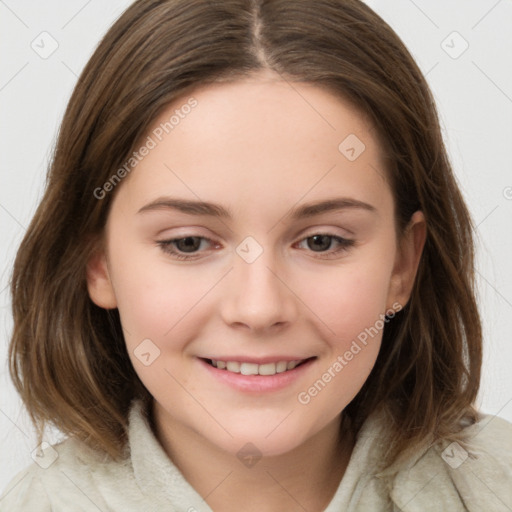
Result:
[{"x": 305, "y": 478}]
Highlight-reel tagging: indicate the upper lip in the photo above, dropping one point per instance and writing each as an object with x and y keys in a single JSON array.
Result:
[{"x": 259, "y": 360}]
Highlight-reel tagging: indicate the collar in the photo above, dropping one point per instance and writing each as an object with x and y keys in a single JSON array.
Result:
[{"x": 155, "y": 473}]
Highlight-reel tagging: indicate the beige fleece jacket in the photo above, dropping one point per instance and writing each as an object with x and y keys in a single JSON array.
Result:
[{"x": 445, "y": 478}]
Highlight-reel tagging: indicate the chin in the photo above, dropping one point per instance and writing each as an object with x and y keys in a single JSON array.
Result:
[
  {"x": 246, "y": 449},
  {"x": 259, "y": 442}
]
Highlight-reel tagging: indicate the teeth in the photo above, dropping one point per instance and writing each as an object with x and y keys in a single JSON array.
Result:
[
  {"x": 281, "y": 367},
  {"x": 233, "y": 366},
  {"x": 255, "y": 369},
  {"x": 267, "y": 369},
  {"x": 249, "y": 369}
]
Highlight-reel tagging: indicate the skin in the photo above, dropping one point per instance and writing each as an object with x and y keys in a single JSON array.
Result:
[{"x": 260, "y": 148}]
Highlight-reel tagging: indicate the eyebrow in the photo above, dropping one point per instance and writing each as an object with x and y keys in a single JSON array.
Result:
[{"x": 304, "y": 211}]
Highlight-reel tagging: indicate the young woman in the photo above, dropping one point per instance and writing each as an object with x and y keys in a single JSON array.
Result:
[{"x": 249, "y": 284}]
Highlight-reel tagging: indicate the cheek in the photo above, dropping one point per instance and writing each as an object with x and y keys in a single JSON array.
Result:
[
  {"x": 158, "y": 311},
  {"x": 353, "y": 316},
  {"x": 350, "y": 305},
  {"x": 154, "y": 300},
  {"x": 348, "y": 299}
]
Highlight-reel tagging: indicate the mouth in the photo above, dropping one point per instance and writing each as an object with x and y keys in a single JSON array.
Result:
[
  {"x": 255, "y": 376},
  {"x": 264, "y": 369}
]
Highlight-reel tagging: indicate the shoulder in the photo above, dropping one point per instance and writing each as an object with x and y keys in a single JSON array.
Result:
[
  {"x": 474, "y": 474},
  {"x": 66, "y": 475}
]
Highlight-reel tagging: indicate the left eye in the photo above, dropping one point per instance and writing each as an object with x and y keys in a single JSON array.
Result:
[
  {"x": 186, "y": 248},
  {"x": 324, "y": 241}
]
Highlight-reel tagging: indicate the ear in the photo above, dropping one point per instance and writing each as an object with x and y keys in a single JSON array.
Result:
[
  {"x": 99, "y": 284},
  {"x": 407, "y": 260}
]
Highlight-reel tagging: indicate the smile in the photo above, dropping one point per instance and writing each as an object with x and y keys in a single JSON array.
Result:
[
  {"x": 256, "y": 376},
  {"x": 254, "y": 368}
]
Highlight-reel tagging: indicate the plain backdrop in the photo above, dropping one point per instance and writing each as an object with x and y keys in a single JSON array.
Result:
[{"x": 464, "y": 48}]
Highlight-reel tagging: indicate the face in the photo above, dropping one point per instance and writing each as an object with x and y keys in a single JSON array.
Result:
[{"x": 296, "y": 262}]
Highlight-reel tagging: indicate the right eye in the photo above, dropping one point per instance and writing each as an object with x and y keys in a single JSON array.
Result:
[{"x": 180, "y": 248}]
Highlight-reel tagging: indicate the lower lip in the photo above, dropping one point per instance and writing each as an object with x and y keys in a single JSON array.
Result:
[{"x": 257, "y": 383}]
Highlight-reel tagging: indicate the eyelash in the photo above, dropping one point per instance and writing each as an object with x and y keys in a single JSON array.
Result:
[{"x": 167, "y": 246}]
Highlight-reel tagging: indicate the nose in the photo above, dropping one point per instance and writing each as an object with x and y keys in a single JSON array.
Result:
[{"x": 258, "y": 296}]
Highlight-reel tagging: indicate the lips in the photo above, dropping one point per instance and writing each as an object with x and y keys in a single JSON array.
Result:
[{"x": 254, "y": 384}]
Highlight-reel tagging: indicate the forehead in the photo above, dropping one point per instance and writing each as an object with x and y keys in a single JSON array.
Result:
[{"x": 259, "y": 138}]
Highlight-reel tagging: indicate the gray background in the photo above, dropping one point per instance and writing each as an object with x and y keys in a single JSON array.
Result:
[{"x": 473, "y": 90}]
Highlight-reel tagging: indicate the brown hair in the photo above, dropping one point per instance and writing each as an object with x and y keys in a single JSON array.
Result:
[{"x": 68, "y": 359}]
